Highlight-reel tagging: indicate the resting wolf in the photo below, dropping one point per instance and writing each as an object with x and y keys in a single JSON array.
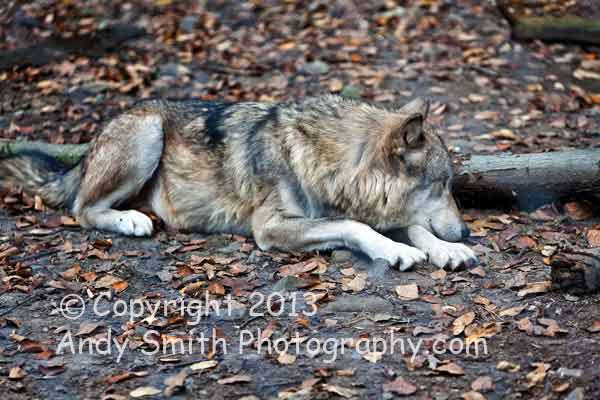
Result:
[{"x": 320, "y": 173}]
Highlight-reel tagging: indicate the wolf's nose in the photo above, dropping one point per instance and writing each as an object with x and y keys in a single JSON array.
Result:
[{"x": 464, "y": 231}]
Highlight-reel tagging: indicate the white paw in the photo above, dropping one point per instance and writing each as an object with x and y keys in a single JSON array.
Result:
[
  {"x": 400, "y": 254},
  {"x": 134, "y": 223},
  {"x": 443, "y": 254}
]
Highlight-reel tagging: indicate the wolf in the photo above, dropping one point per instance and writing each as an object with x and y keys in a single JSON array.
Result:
[{"x": 319, "y": 173}]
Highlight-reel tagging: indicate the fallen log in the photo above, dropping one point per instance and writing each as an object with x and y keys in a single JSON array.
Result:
[
  {"x": 526, "y": 181},
  {"x": 69, "y": 154},
  {"x": 576, "y": 271},
  {"x": 567, "y": 29}
]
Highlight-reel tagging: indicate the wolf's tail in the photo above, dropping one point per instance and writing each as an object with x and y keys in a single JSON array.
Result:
[{"x": 38, "y": 173}]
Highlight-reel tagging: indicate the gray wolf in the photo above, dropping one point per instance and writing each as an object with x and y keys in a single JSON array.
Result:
[{"x": 320, "y": 173}]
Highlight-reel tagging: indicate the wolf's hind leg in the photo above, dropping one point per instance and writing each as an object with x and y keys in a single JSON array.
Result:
[
  {"x": 273, "y": 229},
  {"x": 120, "y": 162}
]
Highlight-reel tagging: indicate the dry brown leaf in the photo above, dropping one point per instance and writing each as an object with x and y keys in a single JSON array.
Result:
[
  {"x": 595, "y": 327},
  {"x": 506, "y": 134},
  {"x": 482, "y": 384},
  {"x": 451, "y": 368},
  {"x": 85, "y": 328},
  {"x": 71, "y": 273},
  {"x": 460, "y": 323},
  {"x": 373, "y": 357},
  {"x": 478, "y": 271},
  {"x": 235, "y": 379},
  {"x": 578, "y": 210},
  {"x": 358, "y": 283},
  {"x": 593, "y": 237},
  {"x": 16, "y": 373},
  {"x": 537, "y": 376},
  {"x": 202, "y": 365},
  {"x": 535, "y": 288},
  {"x": 475, "y": 332},
  {"x": 286, "y": 359},
  {"x": 341, "y": 391},
  {"x": 145, "y": 391},
  {"x": 512, "y": 312},
  {"x": 473, "y": 395},
  {"x": 525, "y": 325},
  {"x": 407, "y": 292},
  {"x": 507, "y": 366},
  {"x": 439, "y": 274},
  {"x": 400, "y": 386},
  {"x": 175, "y": 383}
]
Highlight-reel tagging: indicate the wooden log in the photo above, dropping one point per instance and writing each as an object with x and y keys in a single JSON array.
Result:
[
  {"x": 567, "y": 29},
  {"x": 576, "y": 271},
  {"x": 527, "y": 180},
  {"x": 69, "y": 154}
]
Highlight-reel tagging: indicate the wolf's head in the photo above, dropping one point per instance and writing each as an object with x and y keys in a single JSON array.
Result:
[{"x": 409, "y": 166}]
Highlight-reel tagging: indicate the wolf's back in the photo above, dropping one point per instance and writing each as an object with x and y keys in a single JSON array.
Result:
[{"x": 40, "y": 174}]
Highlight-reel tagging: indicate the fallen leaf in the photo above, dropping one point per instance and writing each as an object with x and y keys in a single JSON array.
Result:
[
  {"x": 286, "y": 359},
  {"x": 482, "y": 384},
  {"x": 407, "y": 292},
  {"x": 473, "y": 395},
  {"x": 234, "y": 379},
  {"x": 400, "y": 386},
  {"x": 439, "y": 274},
  {"x": 202, "y": 365},
  {"x": 71, "y": 273},
  {"x": 175, "y": 383},
  {"x": 595, "y": 327},
  {"x": 504, "y": 134},
  {"x": 373, "y": 357},
  {"x": 537, "y": 376},
  {"x": 145, "y": 391},
  {"x": 341, "y": 391},
  {"x": 525, "y": 325},
  {"x": 578, "y": 210},
  {"x": 478, "y": 271},
  {"x": 593, "y": 237},
  {"x": 16, "y": 373},
  {"x": 85, "y": 328},
  {"x": 535, "y": 288},
  {"x": 450, "y": 368},
  {"x": 512, "y": 312},
  {"x": 460, "y": 323},
  {"x": 358, "y": 283},
  {"x": 507, "y": 366}
]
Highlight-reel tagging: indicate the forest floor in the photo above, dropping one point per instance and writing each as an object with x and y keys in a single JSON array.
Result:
[{"x": 489, "y": 95}]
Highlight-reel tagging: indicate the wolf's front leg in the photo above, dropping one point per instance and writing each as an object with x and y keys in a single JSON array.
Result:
[
  {"x": 275, "y": 230},
  {"x": 440, "y": 252}
]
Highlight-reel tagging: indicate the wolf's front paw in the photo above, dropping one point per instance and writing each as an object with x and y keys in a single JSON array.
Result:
[
  {"x": 401, "y": 255},
  {"x": 442, "y": 254},
  {"x": 134, "y": 223}
]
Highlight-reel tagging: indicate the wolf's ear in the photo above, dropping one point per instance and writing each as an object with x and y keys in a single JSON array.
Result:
[
  {"x": 407, "y": 135},
  {"x": 413, "y": 131},
  {"x": 416, "y": 106}
]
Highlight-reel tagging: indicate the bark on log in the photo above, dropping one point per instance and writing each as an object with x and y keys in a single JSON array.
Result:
[
  {"x": 567, "y": 29},
  {"x": 527, "y": 180},
  {"x": 482, "y": 181},
  {"x": 69, "y": 154},
  {"x": 577, "y": 271}
]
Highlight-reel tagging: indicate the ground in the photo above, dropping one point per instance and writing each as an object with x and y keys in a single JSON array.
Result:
[{"x": 489, "y": 95}]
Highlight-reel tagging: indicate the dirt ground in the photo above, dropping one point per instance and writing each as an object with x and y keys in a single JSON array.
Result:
[{"x": 489, "y": 95}]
